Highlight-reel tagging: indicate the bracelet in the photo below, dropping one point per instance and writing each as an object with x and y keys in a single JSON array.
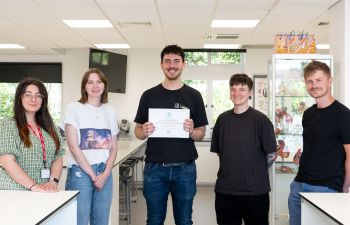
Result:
[{"x": 30, "y": 188}]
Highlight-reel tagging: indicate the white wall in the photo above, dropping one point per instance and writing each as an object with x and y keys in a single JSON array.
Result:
[
  {"x": 143, "y": 72},
  {"x": 256, "y": 61},
  {"x": 340, "y": 49}
]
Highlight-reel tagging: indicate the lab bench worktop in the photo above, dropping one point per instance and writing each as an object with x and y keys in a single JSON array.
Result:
[
  {"x": 325, "y": 208},
  {"x": 125, "y": 148},
  {"x": 31, "y": 208}
]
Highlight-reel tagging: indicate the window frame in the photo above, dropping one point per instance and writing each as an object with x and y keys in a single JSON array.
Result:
[{"x": 209, "y": 51}]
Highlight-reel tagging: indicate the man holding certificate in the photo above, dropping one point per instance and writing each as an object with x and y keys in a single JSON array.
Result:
[{"x": 172, "y": 116}]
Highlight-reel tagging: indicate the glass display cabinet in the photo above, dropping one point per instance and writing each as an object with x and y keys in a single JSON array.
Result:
[{"x": 287, "y": 101}]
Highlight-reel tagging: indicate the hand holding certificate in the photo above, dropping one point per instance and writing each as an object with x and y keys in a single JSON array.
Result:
[{"x": 169, "y": 122}]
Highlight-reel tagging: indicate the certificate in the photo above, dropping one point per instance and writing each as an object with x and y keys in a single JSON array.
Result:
[{"x": 168, "y": 123}]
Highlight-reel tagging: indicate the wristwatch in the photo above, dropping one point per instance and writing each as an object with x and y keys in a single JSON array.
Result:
[{"x": 55, "y": 180}]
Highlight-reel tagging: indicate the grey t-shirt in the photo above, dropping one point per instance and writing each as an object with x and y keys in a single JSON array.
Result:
[{"x": 242, "y": 142}]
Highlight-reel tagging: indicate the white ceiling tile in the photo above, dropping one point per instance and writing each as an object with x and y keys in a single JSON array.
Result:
[
  {"x": 37, "y": 24},
  {"x": 245, "y": 5}
]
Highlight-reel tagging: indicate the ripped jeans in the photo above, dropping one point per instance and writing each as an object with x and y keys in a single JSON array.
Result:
[{"x": 93, "y": 205}]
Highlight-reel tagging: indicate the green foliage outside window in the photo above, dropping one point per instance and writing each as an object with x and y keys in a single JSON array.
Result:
[
  {"x": 219, "y": 101},
  {"x": 199, "y": 85},
  {"x": 212, "y": 58},
  {"x": 225, "y": 58},
  {"x": 196, "y": 58},
  {"x": 7, "y": 96},
  {"x": 221, "y": 98}
]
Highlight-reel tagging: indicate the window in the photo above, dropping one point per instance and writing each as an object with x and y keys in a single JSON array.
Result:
[
  {"x": 48, "y": 72},
  {"x": 209, "y": 72},
  {"x": 221, "y": 98},
  {"x": 225, "y": 58},
  {"x": 196, "y": 58},
  {"x": 7, "y": 96},
  {"x": 199, "y": 85},
  {"x": 199, "y": 57}
]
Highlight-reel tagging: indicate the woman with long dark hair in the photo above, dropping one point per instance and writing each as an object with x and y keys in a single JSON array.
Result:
[
  {"x": 30, "y": 145},
  {"x": 91, "y": 130}
]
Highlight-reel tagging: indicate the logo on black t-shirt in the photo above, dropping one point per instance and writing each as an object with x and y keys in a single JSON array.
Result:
[{"x": 178, "y": 105}]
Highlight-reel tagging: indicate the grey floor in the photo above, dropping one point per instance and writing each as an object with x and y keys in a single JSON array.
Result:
[{"x": 203, "y": 209}]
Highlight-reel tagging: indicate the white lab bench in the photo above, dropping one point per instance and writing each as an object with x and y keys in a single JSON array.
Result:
[
  {"x": 32, "y": 208},
  {"x": 325, "y": 208}
]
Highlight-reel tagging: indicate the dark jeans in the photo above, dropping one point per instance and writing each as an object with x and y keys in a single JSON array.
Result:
[
  {"x": 179, "y": 181},
  {"x": 231, "y": 209}
]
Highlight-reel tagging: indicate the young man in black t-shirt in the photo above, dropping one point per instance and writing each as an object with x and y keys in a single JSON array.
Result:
[
  {"x": 325, "y": 162},
  {"x": 170, "y": 166},
  {"x": 244, "y": 139}
]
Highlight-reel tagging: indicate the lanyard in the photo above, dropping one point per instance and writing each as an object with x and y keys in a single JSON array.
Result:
[{"x": 41, "y": 138}]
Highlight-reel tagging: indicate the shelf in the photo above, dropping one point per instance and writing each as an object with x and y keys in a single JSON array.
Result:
[
  {"x": 286, "y": 170},
  {"x": 292, "y": 96},
  {"x": 286, "y": 167},
  {"x": 288, "y": 134}
]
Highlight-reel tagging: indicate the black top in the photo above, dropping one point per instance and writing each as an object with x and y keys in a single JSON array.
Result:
[
  {"x": 324, "y": 133},
  {"x": 172, "y": 149},
  {"x": 242, "y": 142}
]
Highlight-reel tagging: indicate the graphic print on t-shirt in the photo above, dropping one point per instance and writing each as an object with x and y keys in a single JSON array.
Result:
[{"x": 92, "y": 138}]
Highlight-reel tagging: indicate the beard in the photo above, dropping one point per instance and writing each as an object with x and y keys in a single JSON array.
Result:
[
  {"x": 172, "y": 76},
  {"x": 318, "y": 92}
]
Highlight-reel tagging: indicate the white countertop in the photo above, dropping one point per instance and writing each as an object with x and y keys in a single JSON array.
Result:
[
  {"x": 335, "y": 205},
  {"x": 30, "y": 208},
  {"x": 125, "y": 147}
]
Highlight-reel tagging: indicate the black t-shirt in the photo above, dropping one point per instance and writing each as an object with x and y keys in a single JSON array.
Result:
[
  {"x": 242, "y": 142},
  {"x": 172, "y": 149},
  {"x": 324, "y": 133}
]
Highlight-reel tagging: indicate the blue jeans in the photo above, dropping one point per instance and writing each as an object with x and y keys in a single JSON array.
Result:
[
  {"x": 93, "y": 205},
  {"x": 294, "y": 200},
  {"x": 179, "y": 181}
]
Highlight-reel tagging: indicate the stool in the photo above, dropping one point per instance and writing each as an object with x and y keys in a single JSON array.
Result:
[
  {"x": 139, "y": 159},
  {"x": 125, "y": 186},
  {"x": 133, "y": 162}
]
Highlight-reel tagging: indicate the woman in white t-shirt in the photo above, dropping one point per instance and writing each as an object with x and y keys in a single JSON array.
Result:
[{"x": 91, "y": 130}]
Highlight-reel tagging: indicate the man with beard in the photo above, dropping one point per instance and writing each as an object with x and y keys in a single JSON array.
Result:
[
  {"x": 325, "y": 162},
  {"x": 170, "y": 166}
]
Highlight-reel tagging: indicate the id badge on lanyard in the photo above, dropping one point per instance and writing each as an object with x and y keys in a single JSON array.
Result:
[{"x": 45, "y": 173}]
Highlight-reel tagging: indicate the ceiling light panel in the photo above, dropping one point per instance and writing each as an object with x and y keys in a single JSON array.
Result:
[
  {"x": 234, "y": 23},
  {"x": 222, "y": 46},
  {"x": 111, "y": 46},
  {"x": 11, "y": 46}
]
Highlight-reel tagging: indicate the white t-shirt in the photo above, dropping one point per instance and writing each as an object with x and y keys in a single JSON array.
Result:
[{"x": 96, "y": 126}]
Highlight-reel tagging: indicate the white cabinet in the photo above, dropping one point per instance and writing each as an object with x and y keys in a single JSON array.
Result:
[{"x": 207, "y": 164}]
